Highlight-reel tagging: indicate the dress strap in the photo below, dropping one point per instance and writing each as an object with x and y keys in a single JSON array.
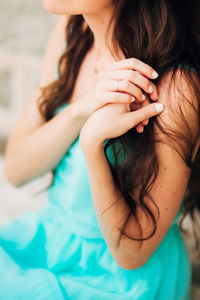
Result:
[{"x": 188, "y": 67}]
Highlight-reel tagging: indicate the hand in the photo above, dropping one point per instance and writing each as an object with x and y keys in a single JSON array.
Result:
[
  {"x": 135, "y": 106},
  {"x": 113, "y": 120},
  {"x": 133, "y": 77}
]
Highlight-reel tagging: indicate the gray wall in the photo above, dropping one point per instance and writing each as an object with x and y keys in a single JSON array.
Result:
[
  {"x": 24, "y": 26},
  {"x": 24, "y": 30}
]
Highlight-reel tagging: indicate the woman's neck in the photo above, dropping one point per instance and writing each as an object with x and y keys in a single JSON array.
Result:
[{"x": 98, "y": 23}]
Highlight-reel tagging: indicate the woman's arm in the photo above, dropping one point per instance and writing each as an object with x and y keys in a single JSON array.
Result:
[
  {"x": 167, "y": 192},
  {"x": 36, "y": 146}
]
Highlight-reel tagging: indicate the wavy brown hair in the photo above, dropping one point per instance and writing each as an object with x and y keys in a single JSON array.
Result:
[{"x": 166, "y": 35}]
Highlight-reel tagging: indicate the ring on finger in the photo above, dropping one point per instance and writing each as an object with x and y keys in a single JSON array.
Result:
[{"x": 117, "y": 85}]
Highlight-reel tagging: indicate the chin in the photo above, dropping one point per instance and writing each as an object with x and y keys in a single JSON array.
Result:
[
  {"x": 55, "y": 7},
  {"x": 74, "y": 7},
  {"x": 49, "y": 6}
]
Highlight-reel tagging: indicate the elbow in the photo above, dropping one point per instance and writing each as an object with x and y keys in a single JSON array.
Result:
[
  {"x": 131, "y": 263},
  {"x": 11, "y": 170},
  {"x": 13, "y": 180}
]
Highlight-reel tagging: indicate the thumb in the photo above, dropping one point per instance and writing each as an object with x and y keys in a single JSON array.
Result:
[{"x": 146, "y": 112}]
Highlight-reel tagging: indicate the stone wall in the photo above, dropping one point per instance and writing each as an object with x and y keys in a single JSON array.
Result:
[{"x": 24, "y": 30}]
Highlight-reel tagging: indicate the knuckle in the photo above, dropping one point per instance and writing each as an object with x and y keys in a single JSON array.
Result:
[
  {"x": 147, "y": 115},
  {"x": 147, "y": 84},
  {"x": 135, "y": 62},
  {"x": 124, "y": 97},
  {"x": 129, "y": 75},
  {"x": 113, "y": 96},
  {"x": 142, "y": 81},
  {"x": 125, "y": 83},
  {"x": 139, "y": 94},
  {"x": 137, "y": 76},
  {"x": 131, "y": 60},
  {"x": 128, "y": 97}
]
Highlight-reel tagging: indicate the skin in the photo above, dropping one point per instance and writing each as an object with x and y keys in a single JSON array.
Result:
[
  {"x": 173, "y": 175},
  {"x": 97, "y": 15},
  {"x": 71, "y": 7},
  {"x": 28, "y": 148},
  {"x": 167, "y": 191}
]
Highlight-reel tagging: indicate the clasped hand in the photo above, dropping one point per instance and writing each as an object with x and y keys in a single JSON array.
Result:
[{"x": 114, "y": 112}]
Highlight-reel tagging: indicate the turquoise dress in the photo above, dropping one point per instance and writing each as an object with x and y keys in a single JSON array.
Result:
[{"x": 59, "y": 252}]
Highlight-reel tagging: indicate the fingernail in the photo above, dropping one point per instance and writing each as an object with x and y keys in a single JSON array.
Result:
[
  {"x": 133, "y": 98},
  {"x": 150, "y": 89},
  {"x": 143, "y": 97},
  {"x": 147, "y": 122},
  {"x": 154, "y": 74},
  {"x": 159, "y": 107}
]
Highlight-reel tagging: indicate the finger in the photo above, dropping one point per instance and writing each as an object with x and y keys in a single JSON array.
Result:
[
  {"x": 112, "y": 97},
  {"x": 138, "y": 104},
  {"x": 145, "y": 103},
  {"x": 136, "y": 78},
  {"x": 135, "y": 106},
  {"x": 127, "y": 87},
  {"x": 139, "y": 128},
  {"x": 134, "y": 64},
  {"x": 145, "y": 122},
  {"x": 143, "y": 113},
  {"x": 119, "y": 95},
  {"x": 141, "y": 81}
]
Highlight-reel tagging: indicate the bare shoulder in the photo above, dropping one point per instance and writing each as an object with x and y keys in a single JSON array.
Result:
[
  {"x": 53, "y": 51},
  {"x": 31, "y": 117},
  {"x": 181, "y": 109},
  {"x": 179, "y": 119},
  {"x": 170, "y": 90}
]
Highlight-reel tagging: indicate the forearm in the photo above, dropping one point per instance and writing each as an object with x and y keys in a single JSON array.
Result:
[
  {"x": 105, "y": 195},
  {"x": 40, "y": 151}
]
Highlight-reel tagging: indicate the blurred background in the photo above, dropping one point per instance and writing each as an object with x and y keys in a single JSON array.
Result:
[{"x": 24, "y": 31}]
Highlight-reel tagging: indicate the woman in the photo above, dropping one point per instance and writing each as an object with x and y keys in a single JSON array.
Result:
[{"x": 110, "y": 229}]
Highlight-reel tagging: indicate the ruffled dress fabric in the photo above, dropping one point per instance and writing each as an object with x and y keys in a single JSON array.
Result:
[{"x": 59, "y": 252}]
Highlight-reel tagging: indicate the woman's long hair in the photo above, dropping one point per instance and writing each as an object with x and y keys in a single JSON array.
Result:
[{"x": 164, "y": 34}]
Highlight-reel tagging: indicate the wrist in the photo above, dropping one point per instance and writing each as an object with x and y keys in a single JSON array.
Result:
[
  {"x": 90, "y": 143},
  {"x": 76, "y": 111},
  {"x": 93, "y": 150}
]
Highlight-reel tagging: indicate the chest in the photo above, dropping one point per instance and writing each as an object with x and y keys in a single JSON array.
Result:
[{"x": 84, "y": 80}]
